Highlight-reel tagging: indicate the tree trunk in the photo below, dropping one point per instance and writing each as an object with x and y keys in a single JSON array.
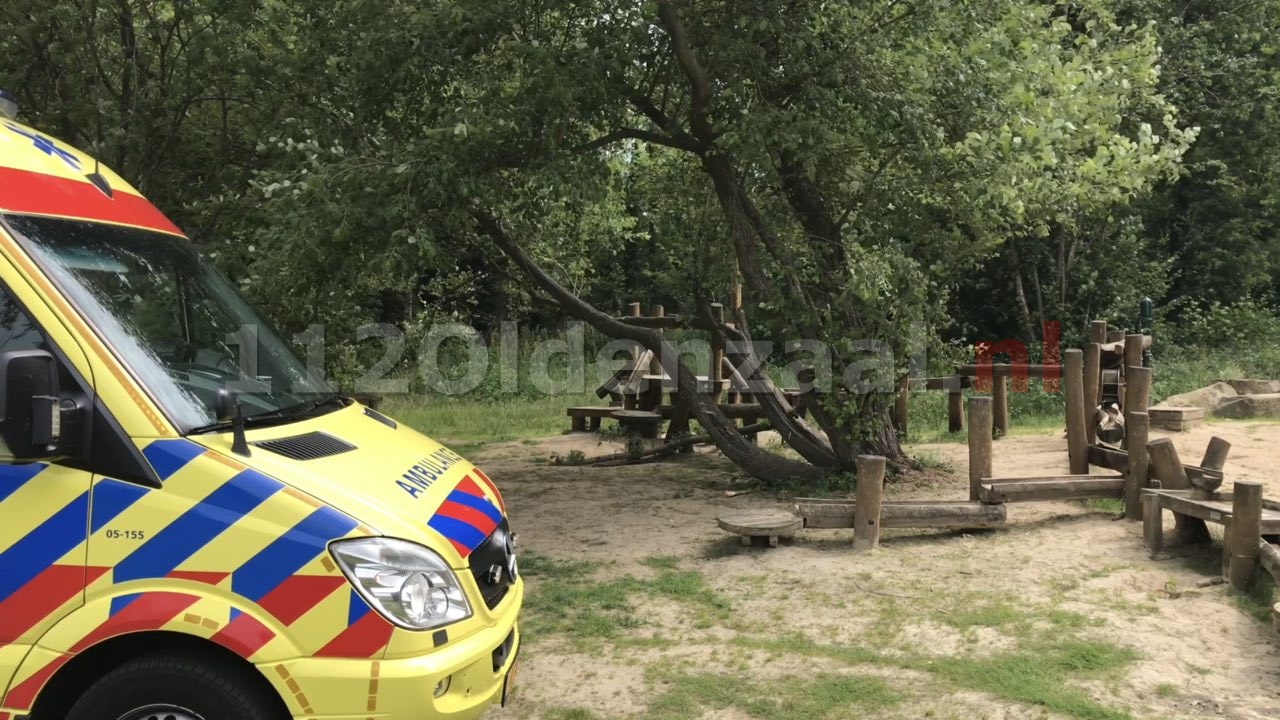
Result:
[{"x": 759, "y": 463}]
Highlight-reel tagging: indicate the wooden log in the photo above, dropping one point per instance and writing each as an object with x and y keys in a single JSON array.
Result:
[
  {"x": 1133, "y": 350},
  {"x": 1098, "y": 331},
  {"x": 1067, "y": 487},
  {"x": 1000, "y": 405},
  {"x": 1166, "y": 466},
  {"x": 1269, "y": 558},
  {"x": 1137, "y": 430},
  {"x": 902, "y": 406},
  {"x": 1092, "y": 388},
  {"x": 825, "y": 513},
  {"x": 1034, "y": 372},
  {"x": 1137, "y": 394},
  {"x": 1109, "y": 458},
  {"x": 1077, "y": 447},
  {"x": 1244, "y": 533},
  {"x": 870, "y": 495},
  {"x": 1215, "y": 456},
  {"x": 979, "y": 444},
  {"x": 955, "y": 411}
]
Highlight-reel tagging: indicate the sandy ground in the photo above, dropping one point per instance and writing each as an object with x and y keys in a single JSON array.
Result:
[{"x": 1201, "y": 655}]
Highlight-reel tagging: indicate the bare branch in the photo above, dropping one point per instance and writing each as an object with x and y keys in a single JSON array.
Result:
[{"x": 699, "y": 84}]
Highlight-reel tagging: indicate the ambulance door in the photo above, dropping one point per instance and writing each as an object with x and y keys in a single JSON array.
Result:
[{"x": 44, "y": 505}]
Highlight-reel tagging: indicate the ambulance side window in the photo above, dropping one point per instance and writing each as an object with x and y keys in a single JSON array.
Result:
[{"x": 17, "y": 332}]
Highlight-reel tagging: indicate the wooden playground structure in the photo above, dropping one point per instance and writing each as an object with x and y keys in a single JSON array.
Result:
[
  {"x": 642, "y": 396},
  {"x": 1146, "y": 474}
]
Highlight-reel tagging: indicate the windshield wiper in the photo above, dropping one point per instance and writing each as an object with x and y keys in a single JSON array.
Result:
[{"x": 282, "y": 416}]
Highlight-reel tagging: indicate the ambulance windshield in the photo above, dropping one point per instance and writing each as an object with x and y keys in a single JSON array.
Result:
[{"x": 176, "y": 323}]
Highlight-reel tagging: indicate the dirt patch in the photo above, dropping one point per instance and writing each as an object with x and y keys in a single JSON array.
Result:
[{"x": 1058, "y": 568}]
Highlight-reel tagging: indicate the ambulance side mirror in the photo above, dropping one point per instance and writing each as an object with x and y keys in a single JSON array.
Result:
[{"x": 30, "y": 408}]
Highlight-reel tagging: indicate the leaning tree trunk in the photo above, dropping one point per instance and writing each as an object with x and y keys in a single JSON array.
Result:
[{"x": 757, "y": 462}]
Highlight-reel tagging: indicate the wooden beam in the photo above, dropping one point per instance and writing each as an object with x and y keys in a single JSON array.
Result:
[
  {"x": 823, "y": 513},
  {"x": 1109, "y": 458},
  {"x": 1166, "y": 467},
  {"x": 870, "y": 494},
  {"x": 1066, "y": 487},
  {"x": 979, "y": 444},
  {"x": 1035, "y": 372},
  {"x": 950, "y": 382}
]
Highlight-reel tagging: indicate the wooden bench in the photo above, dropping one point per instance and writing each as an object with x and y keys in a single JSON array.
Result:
[{"x": 587, "y": 419}]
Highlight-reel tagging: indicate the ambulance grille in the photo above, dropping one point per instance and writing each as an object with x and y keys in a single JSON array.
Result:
[{"x": 310, "y": 446}]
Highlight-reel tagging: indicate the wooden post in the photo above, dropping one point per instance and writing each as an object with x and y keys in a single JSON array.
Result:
[
  {"x": 1000, "y": 404},
  {"x": 1098, "y": 331},
  {"x": 1092, "y": 389},
  {"x": 955, "y": 406},
  {"x": 1166, "y": 466},
  {"x": 1137, "y": 428},
  {"x": 1077, "y": 445},
  {"x": 630, "y": 401},
  {"x": 1244, "y": 534},
  {"x": 1153, "y": 523},
  {"x": 1132, "y": 350},
  {"x": 717, "y": 354},
  {"x": 1215, "y": 456},
  {"x": 1137, "y": 392},
  {"x": 653, "y": 396},
  {"x": 870, "y": 496},
  {"x": 979, "y": 444},
  {"x": 902, "y": 406}
]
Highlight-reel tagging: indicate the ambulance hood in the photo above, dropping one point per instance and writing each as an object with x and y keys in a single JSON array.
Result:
[{"x": 394, "y": 480}]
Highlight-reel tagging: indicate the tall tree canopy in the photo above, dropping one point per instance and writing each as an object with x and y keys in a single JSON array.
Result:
[{"x": 859, "y": 168}]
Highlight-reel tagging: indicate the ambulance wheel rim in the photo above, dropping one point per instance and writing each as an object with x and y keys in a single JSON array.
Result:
[{"x": 161, "y": 712}]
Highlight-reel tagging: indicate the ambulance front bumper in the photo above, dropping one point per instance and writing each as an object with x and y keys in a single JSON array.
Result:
[{"x": 476, "y": 669}]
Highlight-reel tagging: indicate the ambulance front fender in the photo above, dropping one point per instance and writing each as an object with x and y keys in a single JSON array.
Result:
[{"x": 245, "y": 631}]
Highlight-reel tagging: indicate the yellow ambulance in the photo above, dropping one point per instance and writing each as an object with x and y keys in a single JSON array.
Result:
[{"x": 192, "y": 526}]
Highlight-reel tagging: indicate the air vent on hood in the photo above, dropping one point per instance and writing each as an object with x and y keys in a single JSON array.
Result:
[{"x": 311, "y": 446}]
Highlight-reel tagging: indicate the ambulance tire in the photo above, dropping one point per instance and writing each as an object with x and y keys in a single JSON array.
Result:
[{"x": 185, "y": 685}]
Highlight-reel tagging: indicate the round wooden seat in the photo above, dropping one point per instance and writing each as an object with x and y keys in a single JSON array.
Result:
[{"x": 765, "y": 523}]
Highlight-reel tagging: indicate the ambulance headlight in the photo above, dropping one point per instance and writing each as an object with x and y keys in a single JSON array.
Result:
[{"x": 406, "y": 583}]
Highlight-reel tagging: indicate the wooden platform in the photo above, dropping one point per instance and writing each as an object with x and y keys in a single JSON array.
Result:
[
  {"x": 1176, "y": 419},
  {"x": 1185, "y": 502},
  {"x": 768, "y": 524},
  {"x": 1039, "y": 489}
]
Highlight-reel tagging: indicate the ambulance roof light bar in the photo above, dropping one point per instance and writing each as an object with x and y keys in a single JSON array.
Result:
[{"x": 8, "y": 106}]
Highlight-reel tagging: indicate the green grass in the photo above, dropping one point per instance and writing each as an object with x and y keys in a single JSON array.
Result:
[
  {"x": 469, "y": 421},
  {"x": 567, "y": 599}
]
